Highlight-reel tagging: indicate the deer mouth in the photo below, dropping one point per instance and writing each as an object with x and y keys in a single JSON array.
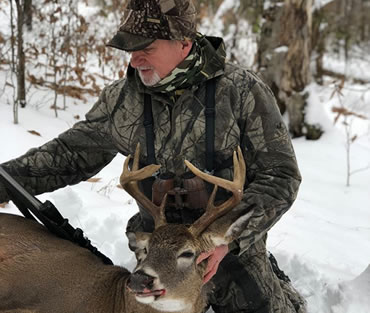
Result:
[{"x": 150, "y": 293}]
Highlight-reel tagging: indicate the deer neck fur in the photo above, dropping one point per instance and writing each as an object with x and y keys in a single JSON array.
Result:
[{"x": 34, "y": 262}]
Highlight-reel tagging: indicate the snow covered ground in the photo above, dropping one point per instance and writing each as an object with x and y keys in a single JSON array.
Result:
[{"x": 323, "y": 242}]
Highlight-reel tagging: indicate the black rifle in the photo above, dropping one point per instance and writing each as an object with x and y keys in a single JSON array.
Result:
[{"x": 47, "y": 214}]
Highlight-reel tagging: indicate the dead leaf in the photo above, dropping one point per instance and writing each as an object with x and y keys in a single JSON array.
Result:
[
  {"x": 53, "y": 107},
  {"x": 339, "y": 110},
  {"x": 346, "y": 112},
  {"x": 119, "y": 186},
  {"x": 77, "y": 117},
  {"x": 3, "y": 205},
  {"x": 34, "y": 132},
  {"x": 94, "y": 180}
]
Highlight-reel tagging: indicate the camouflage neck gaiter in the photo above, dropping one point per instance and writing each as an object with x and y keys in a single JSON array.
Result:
[{"x": 187, "y": 73}]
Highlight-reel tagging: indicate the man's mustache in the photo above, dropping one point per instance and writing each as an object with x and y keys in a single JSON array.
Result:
[{"x": 143, "y": 68}]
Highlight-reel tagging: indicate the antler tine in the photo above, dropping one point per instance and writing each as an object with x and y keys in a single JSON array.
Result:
[
  {"x": 213, "y": 212},
  {"x": 129, "y": 182},
  {"x": 135, "y": 165}
]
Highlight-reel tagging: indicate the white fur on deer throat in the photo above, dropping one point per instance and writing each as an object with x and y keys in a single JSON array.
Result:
[
  {"x": 167, "y": 305},
  {"x": 171, "y": 305},
  {"x": 145, "y": 300}
]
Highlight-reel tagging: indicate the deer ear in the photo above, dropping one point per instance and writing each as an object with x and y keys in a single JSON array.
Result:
[
  {"x": 137, "y": 240},
  {"x": 215, "y": 236},
  {"x": 227, "y": 228}
]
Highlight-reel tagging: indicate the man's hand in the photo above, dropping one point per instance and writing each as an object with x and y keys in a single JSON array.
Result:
[{"x": 214, "y": 258}]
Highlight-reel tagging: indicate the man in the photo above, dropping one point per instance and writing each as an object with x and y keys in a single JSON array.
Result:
[{"x": 161, "y": 103}]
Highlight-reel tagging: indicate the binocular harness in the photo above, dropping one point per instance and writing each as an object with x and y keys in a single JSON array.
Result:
[{"x": 187, "y": 197}]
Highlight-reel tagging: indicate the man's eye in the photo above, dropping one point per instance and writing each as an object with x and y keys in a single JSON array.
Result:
[{"x": 186, "y": 254}]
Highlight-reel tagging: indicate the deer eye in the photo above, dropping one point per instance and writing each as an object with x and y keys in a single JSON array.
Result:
[{"x": 186, "y": 254}]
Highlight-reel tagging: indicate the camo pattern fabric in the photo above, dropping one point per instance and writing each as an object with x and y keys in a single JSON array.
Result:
[
  {"x": 193, "y": 69},
  {"x": 248, "y": 283},
  {"x": 246, "y": 115},
  {"x": 186, "y": 74},
  {"x": 160, "y": 19}
]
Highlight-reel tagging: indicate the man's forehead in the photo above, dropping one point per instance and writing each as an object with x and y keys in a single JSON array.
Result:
[
  {"x": 154, "y": 44},
  {"x": 158, "y": 43}
]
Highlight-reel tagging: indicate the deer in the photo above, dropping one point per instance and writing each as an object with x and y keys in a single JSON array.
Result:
[{"x": 41, "y": 273}]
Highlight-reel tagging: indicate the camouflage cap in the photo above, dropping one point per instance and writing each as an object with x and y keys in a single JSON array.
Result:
[{"x": 144, "y": 21}]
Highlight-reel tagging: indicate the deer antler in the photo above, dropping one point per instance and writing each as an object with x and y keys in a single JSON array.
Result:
[
  {"x": 129, "y": 183},
  {"x": 236, "y": 187}
]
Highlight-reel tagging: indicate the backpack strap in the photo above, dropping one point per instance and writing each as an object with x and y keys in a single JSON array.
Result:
[
  {"x": 210, "y": 126},
  {"x": 149, "y": 129},
  {"x": 210, "y": 113}
]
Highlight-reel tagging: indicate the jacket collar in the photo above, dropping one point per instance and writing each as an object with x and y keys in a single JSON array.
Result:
[{"x": 214, "y": 65}]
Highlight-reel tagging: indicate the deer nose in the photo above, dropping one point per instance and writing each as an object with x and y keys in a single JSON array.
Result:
[{"x": 140, "y": 281}]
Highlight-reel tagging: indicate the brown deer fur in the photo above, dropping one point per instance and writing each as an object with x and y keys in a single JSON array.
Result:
[
  {"x": 45, "y": 274},
  {"x": 40, "y": 273}
]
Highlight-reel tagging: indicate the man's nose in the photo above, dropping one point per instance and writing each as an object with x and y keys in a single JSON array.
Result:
[{"x": 136, "y": 59}]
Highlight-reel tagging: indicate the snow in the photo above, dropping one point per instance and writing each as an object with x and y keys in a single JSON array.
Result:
[
  {"x": 317, "y": 4},
  {"x": 282, "y": 49},
  {"x": 322, "y": 242},
  {"x": 353, "y": 67}
]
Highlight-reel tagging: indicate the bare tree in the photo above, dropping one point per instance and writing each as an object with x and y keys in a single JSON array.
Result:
[
  {"x": 21, "y": 83},
  {"x": 54, "y": 53},
  {"x": 28, "y": 14},
  {"x": 348, "y": 113},
  {"x": 283, "y": 59}
]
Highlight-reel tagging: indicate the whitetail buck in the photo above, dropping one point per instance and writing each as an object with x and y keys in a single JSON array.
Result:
[{"x": 42, "y": 273}]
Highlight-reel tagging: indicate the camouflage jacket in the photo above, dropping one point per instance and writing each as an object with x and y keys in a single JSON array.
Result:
[{"x": 246, "y": 115}]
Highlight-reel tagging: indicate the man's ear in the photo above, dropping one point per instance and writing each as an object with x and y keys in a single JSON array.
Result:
[{"x": 186, "y": 47}]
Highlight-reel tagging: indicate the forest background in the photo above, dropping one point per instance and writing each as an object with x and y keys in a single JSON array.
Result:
[{"x": 315, "y": 56}]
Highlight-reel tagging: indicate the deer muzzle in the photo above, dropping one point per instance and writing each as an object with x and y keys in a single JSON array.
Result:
[{"x": 142, "y": 285}]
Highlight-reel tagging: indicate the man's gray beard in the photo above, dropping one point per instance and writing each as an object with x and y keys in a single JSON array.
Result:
[{"x": 149, "y": 81}]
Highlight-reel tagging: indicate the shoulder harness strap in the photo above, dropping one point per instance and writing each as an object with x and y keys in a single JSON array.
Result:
[
  {"x": 210, "y": 113},
  {"x": 149, "y": 129},
  {"x": 210, "y": 126}
]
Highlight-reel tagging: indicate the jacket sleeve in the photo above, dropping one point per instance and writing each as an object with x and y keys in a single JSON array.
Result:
[
  {"x": 273, "y": 177},
  {"x": 75, "y": 155}
]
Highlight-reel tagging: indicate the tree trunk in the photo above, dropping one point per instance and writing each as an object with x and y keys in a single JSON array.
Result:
[
  {"x": 21, "y": 85},
  {"x": 12, "y": 38},
  {"x": 28, "y": 14},
  {"x": 296, "y": 35},
  {"x": 284, "y": 57}
]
